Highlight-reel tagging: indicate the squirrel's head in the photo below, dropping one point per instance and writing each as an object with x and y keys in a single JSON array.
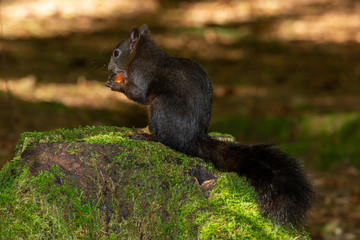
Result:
[{"x": 126, "y": 49}]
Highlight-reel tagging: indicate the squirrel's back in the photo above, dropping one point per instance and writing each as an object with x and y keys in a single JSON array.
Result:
[{"x": 180, "y": 112}]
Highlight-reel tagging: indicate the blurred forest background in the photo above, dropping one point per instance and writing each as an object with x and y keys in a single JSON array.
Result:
[{"x": 286, "y": 72}]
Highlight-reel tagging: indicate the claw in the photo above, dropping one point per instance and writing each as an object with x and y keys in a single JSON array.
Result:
[{"x": 108, "y": 84}]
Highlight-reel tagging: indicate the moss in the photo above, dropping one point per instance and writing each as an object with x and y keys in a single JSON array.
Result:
[
  {"x": 36, "y": 208},
  {"x": 143, "y": 191}
]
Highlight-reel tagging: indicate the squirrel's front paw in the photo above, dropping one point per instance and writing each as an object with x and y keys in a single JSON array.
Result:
[
  {"x": 117, "y": 80},
  {"x": 115, "y": 86}
]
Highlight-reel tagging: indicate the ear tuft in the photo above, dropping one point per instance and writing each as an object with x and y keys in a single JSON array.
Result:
[{"x": 144, "y": 31}]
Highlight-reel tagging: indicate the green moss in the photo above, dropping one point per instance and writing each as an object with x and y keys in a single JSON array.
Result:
[
  {"x": 69, "y": 135},
  {"x": 74, "y": 149},
  {"x": 223, "y": 136},
  {"x": 145, "y": 190},
  {"x": 37, "y": 208}
]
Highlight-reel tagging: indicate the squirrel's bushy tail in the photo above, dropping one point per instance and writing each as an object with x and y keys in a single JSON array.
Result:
[{"x": 283, "y": 191}]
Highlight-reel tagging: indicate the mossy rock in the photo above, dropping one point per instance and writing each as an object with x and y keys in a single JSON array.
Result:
[{"x": 96, "y": 183}]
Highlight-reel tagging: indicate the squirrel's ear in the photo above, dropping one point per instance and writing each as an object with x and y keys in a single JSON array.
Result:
[
  {"x": 134, "y": 35},
  {"x": 144, "y": 31}
]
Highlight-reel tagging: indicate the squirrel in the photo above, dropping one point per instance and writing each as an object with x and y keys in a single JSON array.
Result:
[{"x": 179, "y": 94}]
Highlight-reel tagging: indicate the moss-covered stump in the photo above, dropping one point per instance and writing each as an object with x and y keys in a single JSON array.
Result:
[{"x": 96, "y": 183}]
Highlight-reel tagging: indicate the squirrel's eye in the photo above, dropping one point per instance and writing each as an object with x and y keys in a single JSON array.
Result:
[{"x": 116, "y": 53}]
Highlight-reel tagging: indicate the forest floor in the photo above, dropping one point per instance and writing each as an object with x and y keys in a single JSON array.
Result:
[{"x": 285, "y": 72}]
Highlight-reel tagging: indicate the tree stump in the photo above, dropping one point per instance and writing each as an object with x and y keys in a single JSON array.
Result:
[{"x": 97, "y": 183}]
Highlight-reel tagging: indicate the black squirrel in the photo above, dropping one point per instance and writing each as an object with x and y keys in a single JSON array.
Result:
[{"x": 179, "y": 93}]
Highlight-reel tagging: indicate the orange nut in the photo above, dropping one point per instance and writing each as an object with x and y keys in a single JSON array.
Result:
[{"x": 119, "y": 78}]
